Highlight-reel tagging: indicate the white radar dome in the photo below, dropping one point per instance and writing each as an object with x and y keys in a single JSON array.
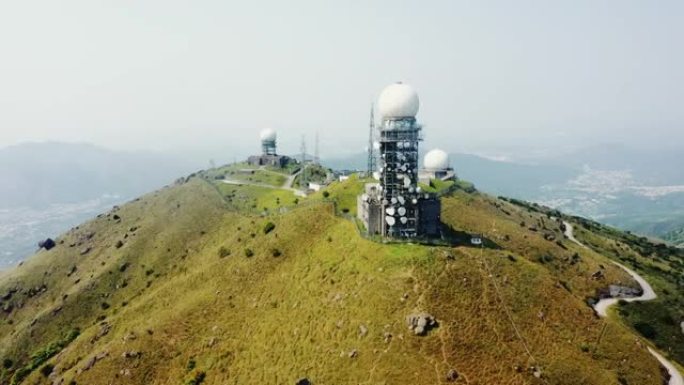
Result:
[
  {"x": 398, "y": 100},
  {"x": 267, "y": 134},
  {"x": 436, "y": 160}
]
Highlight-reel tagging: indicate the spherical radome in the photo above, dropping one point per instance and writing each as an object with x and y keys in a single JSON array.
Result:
[
  {"x": 268, "y": 134},
  {"x": 398, "y": 100},
  {"x": 436, "y": 160}
]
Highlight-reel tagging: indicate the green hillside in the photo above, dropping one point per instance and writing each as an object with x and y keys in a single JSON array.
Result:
[{"x": 217, "y": 283}]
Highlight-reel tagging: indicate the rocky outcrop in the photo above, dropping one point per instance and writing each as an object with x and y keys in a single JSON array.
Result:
[
  {"x": 47, "y": 244},
  {"x": 421, "y": 323}
]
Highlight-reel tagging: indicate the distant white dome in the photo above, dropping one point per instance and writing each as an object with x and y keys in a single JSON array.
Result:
[
  {"x": 398, "y": 100},
  {"x": 267, "y": 134},
  {"x": 436, "y": 160}
]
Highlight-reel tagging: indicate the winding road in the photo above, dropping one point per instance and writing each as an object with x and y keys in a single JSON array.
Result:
[{"x": 601, "y": 308}]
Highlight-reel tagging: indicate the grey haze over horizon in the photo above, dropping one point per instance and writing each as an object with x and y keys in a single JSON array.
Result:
[{"x": 207, "y": 76}]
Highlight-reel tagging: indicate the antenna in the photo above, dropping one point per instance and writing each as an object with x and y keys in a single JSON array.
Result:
[
  {"x": 317, "y": 160},
  {"x": 371, "y": 151},
  {"x": 302, "y": 178}
]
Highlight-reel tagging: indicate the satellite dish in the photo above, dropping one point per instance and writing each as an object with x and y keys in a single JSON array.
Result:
[
  {"x": 411, "y": 190},
  {"x": 407, "y": 182},
  {"x": 390, "y": 210},
  {"x": 402, "y": 211},
  {"x": 376, "y": 145},
  {"x": 403, "y": 220},
  {"x": 414, "y": 201},
  {"x": 400, "y": 176},
  {"x": 384, "y": 202},
  {"x": 400, "y": 145},
  {"x": 376, "y": 175},
  {"x": 418, "y": 189},
  {"x": 394, "y": 201},
  {"x": 390, "y": 220},
  {"x": 401, "y": 199}
]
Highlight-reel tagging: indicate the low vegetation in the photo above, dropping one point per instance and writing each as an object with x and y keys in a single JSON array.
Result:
[{"x": 305, "y": 296}]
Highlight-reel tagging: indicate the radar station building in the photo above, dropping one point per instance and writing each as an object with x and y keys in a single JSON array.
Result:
[
  {"x": 396, "y": 206},
  {"x": 268, "y": 156},
  {"x": 436, "y": 166}
]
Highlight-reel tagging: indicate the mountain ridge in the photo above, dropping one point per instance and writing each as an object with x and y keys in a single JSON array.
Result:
[{"x": 187, "y": 284}]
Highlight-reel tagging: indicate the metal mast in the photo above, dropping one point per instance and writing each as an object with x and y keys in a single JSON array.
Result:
[
  {"x": 302, "y": 178},
  {"x": 317, "y": 160},
  {"x": 371, "y": 150}
]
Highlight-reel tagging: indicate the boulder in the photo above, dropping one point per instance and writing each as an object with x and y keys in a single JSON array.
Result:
[
  {"x": 452, "y": 375},
  {"x": 47, "y": 244},
  {"x": 421, "y": 323}
]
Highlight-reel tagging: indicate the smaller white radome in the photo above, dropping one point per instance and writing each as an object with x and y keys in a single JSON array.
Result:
[
  {"x": 436, "y": 160},
  {"x": 267, "y": 134},
  {"x": 398, "y": 100}
]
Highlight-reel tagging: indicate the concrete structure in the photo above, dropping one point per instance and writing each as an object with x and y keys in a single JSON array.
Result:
[
  {"x": 436, "y": 166},
  {"x": 404, "y": 211},
  {"x": 268, "y": 156},
  {"x": 369, "y": 209}
]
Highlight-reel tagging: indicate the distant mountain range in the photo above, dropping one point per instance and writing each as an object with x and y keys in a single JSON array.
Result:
[
  {"x": 637, "y": 190},
  {"x": 48, "y": 187}
]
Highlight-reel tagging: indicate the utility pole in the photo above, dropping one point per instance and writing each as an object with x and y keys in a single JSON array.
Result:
[
  {"x": 302, "y": 178},
  {"x": 317, "y": 159},
  {"x": 371, "y": 150}
]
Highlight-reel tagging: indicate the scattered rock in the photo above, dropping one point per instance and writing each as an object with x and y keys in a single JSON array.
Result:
[
  {"x": 597, "y": 275},
  {"x": 119, "y": 244},
  {"x": 353, "y": 354},
  {"x": 452, "y": 375},
  {"x": 85, "y": 251},
  {"x": 123, "y": 267},
  {"x": 303, "y": 381},
  {"x": 363, "y": 330},
  {"x": 93, "y": 360},
  {"x": 404, "y": 297},
  {"x": 72, "y": 271},
  {"x": 116, "y": 217},
  {"x": 387, "y": 336},
  {"x": 131, "y": 354},
  {"x": 212, "y": 341},
  {"x": 130, "y": 337},
  {"x": 682, "y": 325},
  {"x": 421, "y": 323},
  {"x": 104, "y": 329},
  {"x": 47, "y": 244}
]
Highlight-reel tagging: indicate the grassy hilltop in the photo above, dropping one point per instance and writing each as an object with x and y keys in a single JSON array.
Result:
[{"x": 206, "y": 282}]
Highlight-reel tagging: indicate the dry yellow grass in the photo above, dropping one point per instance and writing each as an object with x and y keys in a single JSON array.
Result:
[{"x": 275, "y": 317}]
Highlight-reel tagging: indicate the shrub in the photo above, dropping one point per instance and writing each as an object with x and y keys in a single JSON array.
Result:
[
  {"x": 268, "y": 227},
  {"x": 47, "y": 369},
  {"x": 191, "y": 364},
  {"x": 223, "y": 252},
  {"x": 646, "y": 330},
  {"x": 276, "y": 252},
  {"x": 7, "y": 363},
  {"x": 197, "y": 379},
  {"x": 249, "y": 253},
  {"x": 326, "y": 194}
]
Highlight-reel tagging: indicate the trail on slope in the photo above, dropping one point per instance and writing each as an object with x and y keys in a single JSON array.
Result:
[
  {"x": 601, "y": 308},
  {"x": 286, "y": 186}
]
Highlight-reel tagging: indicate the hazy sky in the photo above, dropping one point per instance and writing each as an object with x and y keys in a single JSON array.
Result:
[{"x": 194, "y": 74}]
